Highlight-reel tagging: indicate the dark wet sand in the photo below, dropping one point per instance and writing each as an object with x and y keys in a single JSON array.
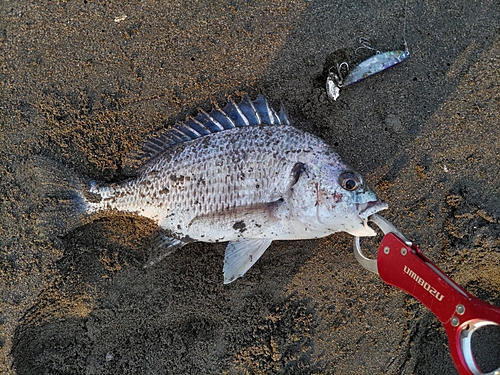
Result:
[{"x": 84, "y": 82}]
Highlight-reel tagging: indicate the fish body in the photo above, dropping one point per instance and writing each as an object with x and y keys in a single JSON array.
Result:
[{"x": 241, "y": 174}]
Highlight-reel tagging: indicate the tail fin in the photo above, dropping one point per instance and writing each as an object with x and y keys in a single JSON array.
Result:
[{"x": 61, "y": 195}]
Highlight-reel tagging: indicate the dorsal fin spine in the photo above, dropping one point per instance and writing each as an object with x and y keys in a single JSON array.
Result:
[
  {"x": 262, "y": 105},
  {"x": 245, "y": 120},
  {"x": 200, "y": 124},
  {"x": 179, "y": 133},
  {"x": 248, "y": 109},
  {"x": 283, "y": 116},
  {"x": 255, "y": 111},
  {"x": 172, "y": 138},
  {"x": 275, "y": 116},
  {"x": 217, "y": 122},
  {"x": 221, "y": 117},
  {"x": 189, "y": 131}
]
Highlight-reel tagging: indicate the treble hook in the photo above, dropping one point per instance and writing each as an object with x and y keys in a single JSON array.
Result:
[
  {"x": 365, "y": 44},
  {"x": 342, "y": 72},
  {"x": 344, "y": 65},
  {"x": 334, "y": 81}
]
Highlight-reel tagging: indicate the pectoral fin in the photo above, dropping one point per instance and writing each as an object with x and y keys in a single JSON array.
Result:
[
  {"x": 241, "y": 255},
  {"x": 254, "y": 216}
]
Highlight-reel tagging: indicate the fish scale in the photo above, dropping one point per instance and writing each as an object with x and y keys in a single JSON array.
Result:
[{"x": 214, "y": 177}]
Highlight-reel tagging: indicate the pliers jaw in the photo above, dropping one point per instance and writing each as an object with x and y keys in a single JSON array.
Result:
[{"x": 386, "y": 227}]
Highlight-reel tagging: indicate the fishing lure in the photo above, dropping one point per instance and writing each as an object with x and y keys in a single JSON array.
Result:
[
  {"x": 373, "y": 65},
  {"x": 334, "y": 81}
]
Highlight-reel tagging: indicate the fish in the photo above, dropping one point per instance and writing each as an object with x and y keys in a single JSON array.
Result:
[{"x": 242, "y": 174}]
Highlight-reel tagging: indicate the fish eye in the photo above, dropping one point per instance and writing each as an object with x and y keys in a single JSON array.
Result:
[{"x": 350, "y": 181}]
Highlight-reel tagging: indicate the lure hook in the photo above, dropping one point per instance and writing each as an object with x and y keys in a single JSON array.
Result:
[
  {"x": 365, "y": 44},
  {"x": 342, "y": 72},
  {"x": 335, "y": 81}
]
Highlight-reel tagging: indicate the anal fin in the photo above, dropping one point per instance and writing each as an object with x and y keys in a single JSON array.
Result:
[
  {"x": 162, "y": 246},
  {"x": 241, "y": 255}
]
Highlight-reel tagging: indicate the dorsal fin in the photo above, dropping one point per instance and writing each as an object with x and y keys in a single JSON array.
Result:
[{"x": 246, "y": 113}]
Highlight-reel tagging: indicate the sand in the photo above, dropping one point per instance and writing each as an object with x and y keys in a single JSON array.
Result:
[{"x": 85, "y": 82}]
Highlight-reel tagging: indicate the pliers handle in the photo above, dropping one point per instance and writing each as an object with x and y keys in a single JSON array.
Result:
[{"x": 401, "y": 263}]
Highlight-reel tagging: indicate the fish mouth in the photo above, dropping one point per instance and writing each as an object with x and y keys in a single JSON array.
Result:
[
  {"x": 369, "y": 208},
  {"x": 365, "y": 210}
]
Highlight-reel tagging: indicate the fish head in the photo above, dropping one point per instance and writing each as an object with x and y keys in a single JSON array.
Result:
[
  {"x": 333, "y": 198},
  {"x": 345, "y": 202}
]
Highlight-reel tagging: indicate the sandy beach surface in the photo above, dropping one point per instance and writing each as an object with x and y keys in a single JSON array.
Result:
[{"x": 85, "y": 82}]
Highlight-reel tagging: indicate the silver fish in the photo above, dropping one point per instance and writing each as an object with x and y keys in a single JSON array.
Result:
[{"x": 241, "y": 174}]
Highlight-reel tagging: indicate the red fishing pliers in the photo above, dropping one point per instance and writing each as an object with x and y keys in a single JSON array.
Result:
[{"x": 401, "y": 263}]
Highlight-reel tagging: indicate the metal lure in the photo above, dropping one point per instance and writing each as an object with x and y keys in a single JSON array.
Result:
[
  {"x": 332, "y": 86},
  {"x": 334, "y": 81},
  {"x": 375, "y": 64}
]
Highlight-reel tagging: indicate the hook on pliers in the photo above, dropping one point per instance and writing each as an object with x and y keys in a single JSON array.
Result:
[{"x": 386, "y": 227}]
